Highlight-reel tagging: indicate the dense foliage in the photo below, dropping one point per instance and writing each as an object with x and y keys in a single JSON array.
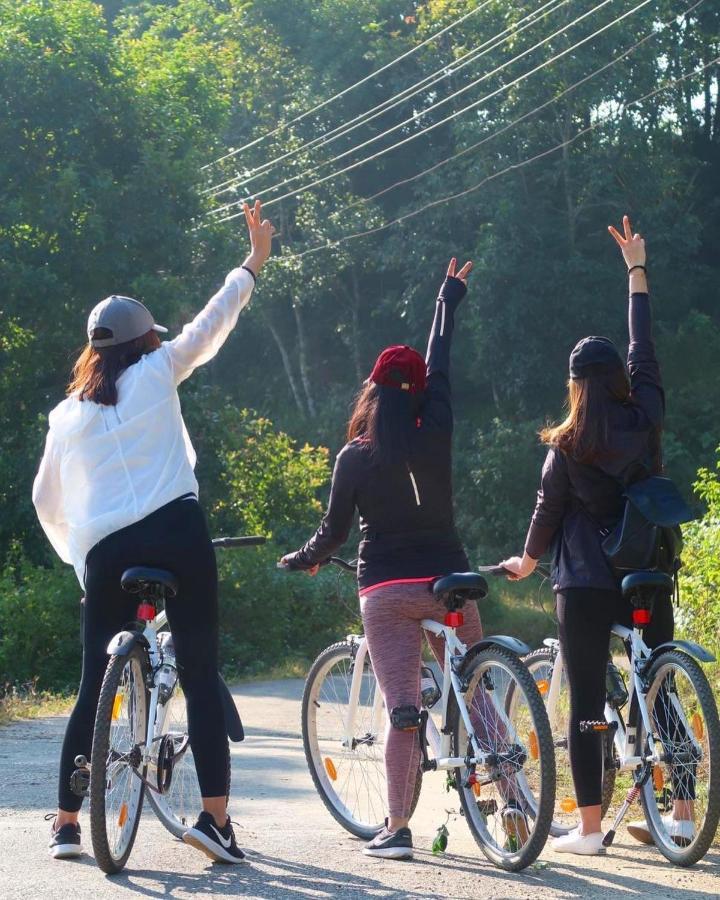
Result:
[{"x": 111, "y": 114}]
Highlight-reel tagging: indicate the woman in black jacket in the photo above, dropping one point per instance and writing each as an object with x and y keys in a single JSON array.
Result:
[
  {"x": 610, "y": 438},
  {"x": 396, "y": 470}
]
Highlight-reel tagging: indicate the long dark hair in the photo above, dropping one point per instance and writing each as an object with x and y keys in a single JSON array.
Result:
[
  {"x": 385, "y": 418},
  {"x": 585, "y": 433},
  {"x": 97, "y": 369}
]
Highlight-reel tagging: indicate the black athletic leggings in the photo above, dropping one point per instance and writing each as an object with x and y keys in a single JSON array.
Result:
[
  {"x": 174, "y": 537},
  {"x": 585, "y": 617}
]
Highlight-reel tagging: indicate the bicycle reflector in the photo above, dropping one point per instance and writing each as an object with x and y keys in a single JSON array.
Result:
[
  {"x": 641, "y": 617},
  {"x": 454, "y": 619},
  {"x": 330, "y": 768},
  {"x": 568, "y": 805},
  {"x": 117, "y": 706},
  {"x": 543, "y": 686},
  {"x": 145, "y": 612},
  {"x": 533, "y": 747},
  {"x": 696, "y": 723}
]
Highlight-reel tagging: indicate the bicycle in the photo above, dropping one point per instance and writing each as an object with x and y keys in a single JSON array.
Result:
[
  {"x": 491, "y": 760},
  {"x": 140, "y": 741},
  {"x": 671, "y": 741}
]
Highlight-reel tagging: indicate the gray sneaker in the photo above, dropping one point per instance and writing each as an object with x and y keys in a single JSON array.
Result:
[{"x": 391, "y": 844}]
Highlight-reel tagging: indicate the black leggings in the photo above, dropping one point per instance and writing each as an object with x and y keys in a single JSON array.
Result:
[
  {"x": 174, "y": 537},
  {"x": 585, "y": 617}
]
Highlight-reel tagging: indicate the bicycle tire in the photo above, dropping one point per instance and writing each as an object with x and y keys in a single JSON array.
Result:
[
  {"x": 110, "y": 862},
  {"x": 323, "y": 784},
  {"x": 687, "y": 856},
  {"x": 162, "y": 804},
  {"x": 514, "y": 859},
  {"x": 545, "y": 656}
]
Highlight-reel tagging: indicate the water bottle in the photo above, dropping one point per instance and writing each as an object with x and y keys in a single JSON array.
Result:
[
  {"x": 429, "y": 689},
  {"x": 166, "y": 674},
  {"x": 617, "y": 694}
]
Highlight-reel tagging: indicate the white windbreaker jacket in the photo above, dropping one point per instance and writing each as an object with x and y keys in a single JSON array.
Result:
[{"x": 106, "y": 467}]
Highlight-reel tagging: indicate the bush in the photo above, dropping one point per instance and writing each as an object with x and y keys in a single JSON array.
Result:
[{"x": 698, "y": 616}]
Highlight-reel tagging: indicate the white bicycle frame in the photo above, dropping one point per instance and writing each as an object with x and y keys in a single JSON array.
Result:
[
  {"x": 439, "y": 741},
  {"x": 625, "y": 736}
]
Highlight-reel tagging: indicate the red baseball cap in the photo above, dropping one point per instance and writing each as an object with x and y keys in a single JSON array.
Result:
[{"x": 401, "y": 367}]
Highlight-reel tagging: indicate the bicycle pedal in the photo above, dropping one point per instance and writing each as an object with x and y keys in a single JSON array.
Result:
[
  {"x": 80, "y": 782},
  {"x": 591, "y": 727}
]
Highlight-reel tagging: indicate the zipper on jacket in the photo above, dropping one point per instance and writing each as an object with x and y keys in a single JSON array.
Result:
[
  {"x": 442, "y": 318},
  {"x": 414, "y": 484}
]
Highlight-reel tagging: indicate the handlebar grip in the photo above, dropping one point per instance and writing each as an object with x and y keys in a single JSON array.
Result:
[
  {"x": 248, "y": 541},
  {"x": 493, "y": 570}
]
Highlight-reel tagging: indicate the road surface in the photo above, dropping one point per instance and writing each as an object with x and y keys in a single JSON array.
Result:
[{"x": 296, "y": 850}]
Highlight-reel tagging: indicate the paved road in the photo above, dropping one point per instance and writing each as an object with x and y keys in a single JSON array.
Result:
[{"x": 295, "y": 848}]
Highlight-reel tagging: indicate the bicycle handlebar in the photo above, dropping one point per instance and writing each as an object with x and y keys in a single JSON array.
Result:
[
  {"x": 498, "y": 571},
  {"x": 341, "y": 563},
  {"x": 250, "y": 541}
]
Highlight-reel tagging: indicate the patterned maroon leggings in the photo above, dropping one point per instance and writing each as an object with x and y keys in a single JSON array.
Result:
[{"x": 391, "y": 616}]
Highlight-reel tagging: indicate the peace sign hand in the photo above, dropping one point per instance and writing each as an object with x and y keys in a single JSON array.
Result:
[
  {"x": 462, "y": 275},
  {"x": 632, "y": 245},
  {"x": 260, "y": 231}
]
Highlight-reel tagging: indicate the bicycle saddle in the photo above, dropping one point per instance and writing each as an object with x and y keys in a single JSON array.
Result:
[
  {"x": 647, "y": 580},
  {"x": 468, "y": 585},
  {"x": 140, "y": 578}
]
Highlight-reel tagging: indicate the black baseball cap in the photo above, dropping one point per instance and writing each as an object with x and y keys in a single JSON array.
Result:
[{"x": 594, "y": 355}]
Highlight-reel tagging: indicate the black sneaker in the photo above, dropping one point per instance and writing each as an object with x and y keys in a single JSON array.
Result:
[
  {"x": 65, "y": 842},
  {"x": 391, "y": 844},
  {"x": 217, "y": 843}
]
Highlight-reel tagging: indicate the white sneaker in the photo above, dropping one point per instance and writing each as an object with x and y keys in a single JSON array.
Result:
[
  {"x": 682, "y": 831},
  {"x": 582, "y": 844}
]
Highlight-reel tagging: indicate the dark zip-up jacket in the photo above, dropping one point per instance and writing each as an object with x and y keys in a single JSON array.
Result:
[
  {"x": 577, "y": 503},
  {"x": 406, "y": 510}
]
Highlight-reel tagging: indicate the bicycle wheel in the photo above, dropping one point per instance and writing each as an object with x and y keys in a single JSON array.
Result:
[
  {"x": 684, "y": 715},
  {"x": 116, "y": 792},
  {"x": 540, "y": 665},
  {"x": 519, "y": 743},
  {"x": 178, "y": 805},
  {"x": 348, "y": 770}
]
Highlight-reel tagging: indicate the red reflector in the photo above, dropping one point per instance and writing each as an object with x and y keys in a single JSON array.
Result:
[
  {"x": 641, "y": 617},
  {"x": 146, "y": 612},
  {"x": 454, "y": 619}
]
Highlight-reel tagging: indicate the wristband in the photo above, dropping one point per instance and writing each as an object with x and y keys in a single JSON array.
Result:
[
  {"x": 254, "y": 276},
  {"x": 632, "y": 268}
]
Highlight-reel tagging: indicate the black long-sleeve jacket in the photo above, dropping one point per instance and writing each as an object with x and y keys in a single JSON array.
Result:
[
  {"x": 406, "y": 510},
  {"x": 577, "y": 502}
]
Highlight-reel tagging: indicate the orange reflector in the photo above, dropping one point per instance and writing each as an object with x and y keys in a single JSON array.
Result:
[
  {"x": 476, "y": 789},
  {"x": 658, "y": 778},
  {"x": 122, "y": 817},
  {"x": 543, "y": 686},
  {"x": 568, "y": 805},
  {"x": 697, "y": 726},
  {"x": 533, "y": 745},
  {"x": 330, "y": 769},
  {"x": 117, "y": 705}
]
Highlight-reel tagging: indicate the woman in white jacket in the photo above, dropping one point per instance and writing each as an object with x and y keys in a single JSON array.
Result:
[{"x": 115, "y": 489}]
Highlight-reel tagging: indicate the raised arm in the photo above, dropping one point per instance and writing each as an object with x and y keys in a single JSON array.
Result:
[
  {"x": 337, "y": 521},
  {"x": 437, "y": 410},
  {"x": 643, "y": 367},
  {"x": 201, "y": 339}
]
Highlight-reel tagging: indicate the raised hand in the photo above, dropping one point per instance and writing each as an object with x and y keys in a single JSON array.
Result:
[
  {"x": 260, "y": 231},
  {"x": 631, "y": 245},
  {"x": 462, "y": 274}
]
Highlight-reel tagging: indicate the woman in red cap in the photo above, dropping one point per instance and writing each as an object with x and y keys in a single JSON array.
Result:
[{"x": 396, "y": 470}]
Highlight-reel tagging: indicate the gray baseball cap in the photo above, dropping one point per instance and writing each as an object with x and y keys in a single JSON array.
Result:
[{"x": 124, "y": 317}]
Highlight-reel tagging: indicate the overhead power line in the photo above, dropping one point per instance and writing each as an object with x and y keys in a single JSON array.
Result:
[
  {"x": 411, "y": 119},
  {"x": 443, "y": 162},
  {"x": 342, "y": 93},
  {"x": 435, "y": 125},
  {"x": 425, "y": 84},
  {"x": 513, "y": 167}
]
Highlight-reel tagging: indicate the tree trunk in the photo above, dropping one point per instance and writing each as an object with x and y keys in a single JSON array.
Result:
[
  {"x": 302, "y": 355},
  {"x": 355, "y": 319},
  {"x": 286, "y": 364}
]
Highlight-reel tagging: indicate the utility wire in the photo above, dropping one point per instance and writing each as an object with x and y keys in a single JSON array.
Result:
[
  {"x": 384, "y": 68},
  {"x": 416, "y": 212},
  {"x": 411, "y": 119},
  {"x": 429, "y": 81},
  {"x": 449, "y": 118},
  {"x": 443, "y": 162}
]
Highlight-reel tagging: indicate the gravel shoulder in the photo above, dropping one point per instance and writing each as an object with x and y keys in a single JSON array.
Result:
[{"x": 295, "y": 848}]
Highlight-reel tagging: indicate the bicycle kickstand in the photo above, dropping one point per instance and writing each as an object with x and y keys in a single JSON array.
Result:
[{"x": 641, "y": 776}]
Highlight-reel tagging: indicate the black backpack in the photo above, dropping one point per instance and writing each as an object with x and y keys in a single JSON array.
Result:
[{"x": 648, "y": 535}]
